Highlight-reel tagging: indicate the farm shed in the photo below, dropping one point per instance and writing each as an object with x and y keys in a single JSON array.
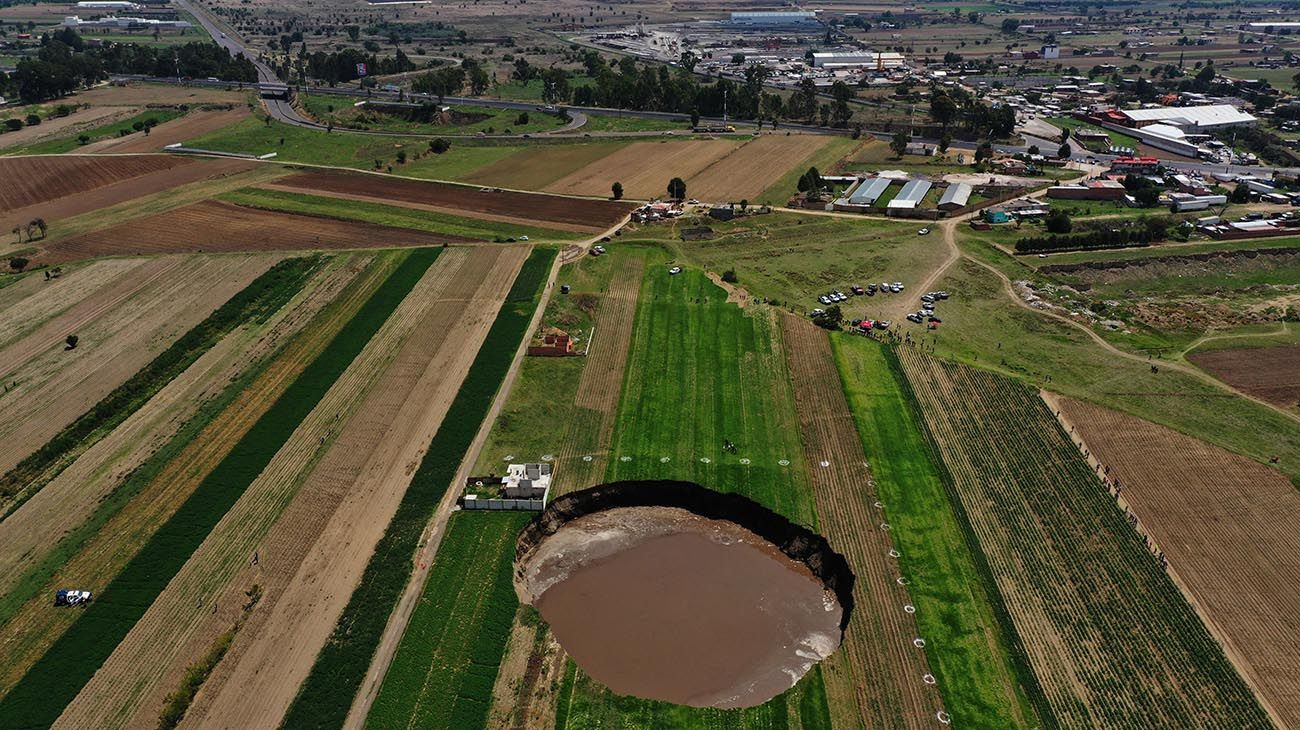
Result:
[
  {"x": 911, "y": 195},
  {"x": 869, "y": 191},
  {"x": 1092, "y": 190},
  {"x": 956, "y": 196}
]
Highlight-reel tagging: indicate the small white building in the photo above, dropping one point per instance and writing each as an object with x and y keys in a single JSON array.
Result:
[
  {"x": 886, "y": 61},
  {"x": 1051, "y": 51}
]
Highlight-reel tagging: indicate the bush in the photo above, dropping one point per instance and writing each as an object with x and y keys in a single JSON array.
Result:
[
  {"x": 1059, "y": 222},
  {"x": 729, "y": 276},
  {"x": 439, "y": 145},
  {"x": 33, "y": 120},
  {"x": 18, "y": 263},
  {"x": 13, "y": 125}
]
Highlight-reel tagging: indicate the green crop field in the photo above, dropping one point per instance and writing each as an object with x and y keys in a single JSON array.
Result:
[
  {"x": 445, "y": 667},
  {"x": 391, "y": 215},
  {"x": 1068, "y": 564},
  {"x": 966, "y": 646},
  {"x": 56, "y": 678},
  {"x": 326, "y": 694},
  {"x": 702, "y": 370}
]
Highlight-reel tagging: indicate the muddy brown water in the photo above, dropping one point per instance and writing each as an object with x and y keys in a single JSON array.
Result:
[{"x": 660, "y": 603}]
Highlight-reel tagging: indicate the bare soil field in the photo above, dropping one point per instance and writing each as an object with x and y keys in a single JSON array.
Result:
[
  {"x": 645, "y": 168},
  {"x": 140, "y": 94},
  {"x": 31, "y": 180},
  {"x": 591, "y": 215},
  {"x": 536, "y": 167},
  {"x": 48, "y": 300},
  {"x": 216, "y": 227},
  {"x": 750, "y": 170},
  {"x": 877, "y": 669},
  {"x": 1270, "y": 373},
  {"x": 1230, "y": 528},
  {"x": 192, "y": 125},
  {"x": 67, "y": 500},
  {"x": 127, "y": 190},
  {"x": 34, "y": 628},
  {"x": 322, "y": 543},
  {"x": 51, "y": 386},
  {"x": 62, "y": 126}
]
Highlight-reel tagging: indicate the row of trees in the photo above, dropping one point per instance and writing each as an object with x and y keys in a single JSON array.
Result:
[
  {"x": 1143, "y": 232},
  {"x": 65, "y": 63}
]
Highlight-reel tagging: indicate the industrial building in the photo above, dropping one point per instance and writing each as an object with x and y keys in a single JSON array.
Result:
[
  {"x": 773, "y": 17},
  {"x": 886, "y": 61},
  {"x": 910, "y": 197},
  {"x": 107, "y": 5},
  {"x": 114, "y": 23},
  {"x": 956, "y": 196},
  {"x": 1187, "y": 118},
  {"x": 1181, "y": 202},
  {"x": 869, "y": 191}
]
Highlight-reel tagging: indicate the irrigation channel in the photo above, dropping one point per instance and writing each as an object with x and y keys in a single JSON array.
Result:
[{"x": 668, "y": 591}]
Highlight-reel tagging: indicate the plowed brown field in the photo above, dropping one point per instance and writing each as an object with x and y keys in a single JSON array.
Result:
[
  {"x": 591, "y": 215},
  {"x": 884, "y": 668},
  {"x": 1270, "y": 373},
  {"x": 57, "y": 190},
  {"x": 214, "y": 226},
  {"x": 31, "y": 180},
  {"x": 1230, "y": 528}
]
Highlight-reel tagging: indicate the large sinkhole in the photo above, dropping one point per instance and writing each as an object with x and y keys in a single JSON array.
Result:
[{"x": 670, "y": 591}]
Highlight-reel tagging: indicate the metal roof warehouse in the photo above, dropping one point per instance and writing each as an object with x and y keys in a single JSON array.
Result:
[
  {"x": 869, "y": 191},
  {"x": 911, "y": 195},
  {"x": 1203, "y": 117}
]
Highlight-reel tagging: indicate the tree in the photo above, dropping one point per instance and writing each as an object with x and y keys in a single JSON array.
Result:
[
  {"x": 841, "y": 112},
  {"x": 401, "y": 157},
  {"x": 945, "y": 141},
  {"x": 354, "y": 32},
  {"x": 983, "y": 152},
  {"x": 695, "y": 117},
  {"x": 1010, "y": 25},
  {"x": 1065, "y": 135},
  {"x": 744, "y": 203},
  {"x": 730, "y": 277},
  {"x": 899, "y": 143},
  {"x": 1147, "y": 197},
  {"x": 1034, "y": 150},
  {"x": 18, "y": 263},
  {"x": 677, "y": 188},
  {"x": 71, "y": 341},
  {"x": 1063, "y": 151},
  {"x": 1240, "y": 194},
  {"x": 83, "y": 138},
  {"x": 943, "y": 108},
  {"x": 617, "y": 190},
  {"x": 1059, "y": 222},
  {"x": 831, "y": 318},
  {"x": 14, "y": 124},
  {"x": 479, "y": 80},
  {"x": 40, "y": 225},
  {"x": 439, "y": 145}
]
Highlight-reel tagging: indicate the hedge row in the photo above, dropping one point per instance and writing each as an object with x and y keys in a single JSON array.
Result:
[
  {"x": 1109, "y": 238},
  {"x": 49, "y": 685},
  {"x": 326, "y": 696},
  {"x": 257, "y": 301}
]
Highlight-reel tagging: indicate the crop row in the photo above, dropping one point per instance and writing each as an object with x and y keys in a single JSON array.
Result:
[
  {"x": 1111, "y": 639},
  {"x": 447, "y": 664},
  {"x": 969, "y": 653},
  {"x": 326, "y": 695},
  {"x": 257, "y": 301},
  {"x": 47, "y": 688}
]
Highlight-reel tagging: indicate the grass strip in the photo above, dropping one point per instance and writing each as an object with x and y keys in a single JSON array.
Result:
[
  {"x": 54, "y": 681},
  {"x": 326, "y": 696},
  {"x": 61, "y": 145},
  {"x": 390, "y": 215},
  {"x": 447, "y": 664},
  {"x": 255, "y": 302}
]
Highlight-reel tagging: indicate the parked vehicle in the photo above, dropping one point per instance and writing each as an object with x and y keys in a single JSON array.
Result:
[
  {"x": 857, "y": 290},
  {"x": 923, "y": 232},
  {"x": 69, "y": 597},
  {"x": 883, "y": 324},
  {"x": 817, "y": 313},
  {"x": 674, "y": 271}
]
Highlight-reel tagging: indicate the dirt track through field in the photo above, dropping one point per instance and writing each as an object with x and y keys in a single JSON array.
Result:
[
  {"x": 1230, "y": 528},
  {"x": 213, "y": 226},
  {"x": 50, "y": 390},
  {"x": 310, "y": 559},
  {"x": 645, "y": 168},
  {"x": 590, "y": 215},
  {"x": 114, "y": 193},
  {"x": 590, "y": 429},
  {"x": 34, "y": 628},
  {"x": 885, "y": 668}
]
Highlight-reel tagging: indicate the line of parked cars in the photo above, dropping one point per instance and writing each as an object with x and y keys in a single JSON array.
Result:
[
  {"x": 926, "y": 312},
  {"x": 837, "y": 296}
]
